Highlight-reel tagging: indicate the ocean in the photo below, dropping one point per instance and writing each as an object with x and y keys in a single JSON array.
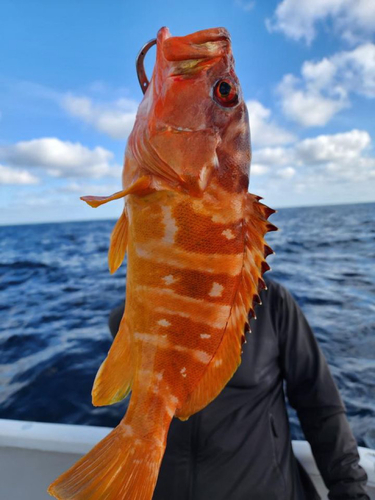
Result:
[{"x": 56, "y": 294}]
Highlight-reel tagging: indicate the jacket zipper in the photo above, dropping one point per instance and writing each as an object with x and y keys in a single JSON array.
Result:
[{"x": 193, "y": 456}]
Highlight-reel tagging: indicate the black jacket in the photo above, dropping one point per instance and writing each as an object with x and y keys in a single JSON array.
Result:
[{"x": 239, "y": 448}]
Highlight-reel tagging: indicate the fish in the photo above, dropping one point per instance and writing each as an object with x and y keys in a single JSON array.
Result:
[{"x": 196, "y": 253}]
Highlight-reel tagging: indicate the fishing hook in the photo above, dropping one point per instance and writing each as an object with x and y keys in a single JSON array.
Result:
[{"x": 141, "y": 73}]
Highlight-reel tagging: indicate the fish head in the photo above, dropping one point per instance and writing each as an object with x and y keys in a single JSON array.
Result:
[{"x": 192, "y": 126}]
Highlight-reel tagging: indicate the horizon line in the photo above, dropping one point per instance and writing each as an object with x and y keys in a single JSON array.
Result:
[{"x": 114, "y": 218}]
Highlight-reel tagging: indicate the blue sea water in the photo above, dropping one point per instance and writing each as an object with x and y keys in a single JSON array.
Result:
[{"x": 56, "y": 294}]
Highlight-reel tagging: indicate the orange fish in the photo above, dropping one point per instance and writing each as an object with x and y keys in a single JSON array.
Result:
[{"x": 196, "y": 254}]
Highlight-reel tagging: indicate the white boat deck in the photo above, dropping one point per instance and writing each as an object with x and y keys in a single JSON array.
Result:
[{"x": 33, "y": 454}]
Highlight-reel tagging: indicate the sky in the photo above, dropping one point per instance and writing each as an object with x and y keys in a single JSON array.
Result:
[{"x": 69, "y": 94}]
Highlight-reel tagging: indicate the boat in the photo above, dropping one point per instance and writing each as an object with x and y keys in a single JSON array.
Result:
[{"x": 32, "y": 454}]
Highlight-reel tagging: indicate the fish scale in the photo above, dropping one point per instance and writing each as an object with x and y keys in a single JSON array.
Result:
[
  {"x": 196, "y": 255},
  {"x": 188, "y": 292}
]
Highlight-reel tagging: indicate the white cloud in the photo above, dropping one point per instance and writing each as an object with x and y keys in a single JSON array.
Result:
[
  {"x": 355, "y": 70},
  {"x": 286, "y": 173},
  {"x": 274, "y": 161},
  {"x": 92, "y": 189},
  {"x": 328, "y": 168},
  {"x": 115, "y": 119},
  {"x": 61, "y": 158},
  {"x": 273, "y": 156},
  {"x": 264, "y": 130},
  {"x": 321, "y": 73},
  {"x": 246, "y": 5},
  {"x": 341, "y": 156},
  {"x": 324, "y": 87},
  {"x": 305, "y": 104},
  {"x": 345, "y": 155},
  {"x": 353, "y": 20},
  {"x": 258, "y": 169},
  {"x": 338, "y": 148},
  {"x": 15, "y": 176},
  {"x": 337, "y": 157}
]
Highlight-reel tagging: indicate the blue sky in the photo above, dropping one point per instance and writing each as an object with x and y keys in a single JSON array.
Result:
[{"x": 69, "y": 92}]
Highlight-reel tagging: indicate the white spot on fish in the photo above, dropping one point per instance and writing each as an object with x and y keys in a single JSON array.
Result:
[
  {"x": 205, "y": 336},
  {"x": 204, "y": 176},
  {"x": 230, "y": 216},
  {"x": 228, "y": 234},
  {"x": 216, "y": 290},
  {"x": 168, "y": 311},
  {"x": 218, "y": 362},
  {"x": 127, "y": 430},
  {"x": 162, "y": 342},
  {"x": 158, "y": 376},
  {"x": 170, "y": 411},
  {"x": 174, "y": 400},
  {"x": 164, "y": 322},
  {"x": 143, "y": 252},
  {"x": 156, "y": 251},
  {"x": 202, "y": 356},
  {"x": 207, "y": 312},
  {"x": 153, "y": 338},
  {"x": 183, "y": 371},
  {"x": 170, "y": 225},
  {"x": 168, "y": 280}
]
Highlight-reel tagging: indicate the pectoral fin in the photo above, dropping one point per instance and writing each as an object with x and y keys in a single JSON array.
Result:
[{"x": 140, "y": 187}]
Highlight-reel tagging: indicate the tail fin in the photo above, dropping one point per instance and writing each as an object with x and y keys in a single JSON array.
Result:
[{"x": 119, "y": 467}]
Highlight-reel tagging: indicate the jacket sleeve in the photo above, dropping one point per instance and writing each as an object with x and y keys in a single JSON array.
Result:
[{"x": 312, "y": 391}]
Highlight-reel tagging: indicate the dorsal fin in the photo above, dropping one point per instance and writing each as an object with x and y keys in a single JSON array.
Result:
[{"x": 228, "y": 356}]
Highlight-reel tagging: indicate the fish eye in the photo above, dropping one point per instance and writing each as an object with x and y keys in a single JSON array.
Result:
[{"x": 225, "y": 93}]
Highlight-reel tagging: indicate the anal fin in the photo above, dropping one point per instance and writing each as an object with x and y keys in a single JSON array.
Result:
[{"x": 114, "y": 379}]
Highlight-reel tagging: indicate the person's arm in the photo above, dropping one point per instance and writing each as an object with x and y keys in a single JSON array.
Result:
[
  {"x": 312, "y": 391},
  {"x": 114, "y": 319}
]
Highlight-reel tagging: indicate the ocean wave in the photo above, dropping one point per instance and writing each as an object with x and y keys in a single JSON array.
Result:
[
  {"x": 24, "y": 264},
  {"x": 56, "y": 295}
]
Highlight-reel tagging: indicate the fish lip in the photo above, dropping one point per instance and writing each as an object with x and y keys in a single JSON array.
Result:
[
  {"x": 195, "y": 40},
  {"x": 163, "y": 33},
  {"x": 171, "y": 128}
]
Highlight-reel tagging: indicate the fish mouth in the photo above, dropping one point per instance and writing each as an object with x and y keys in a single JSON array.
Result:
[
  {"x": 205, "y": 44},
  {"x": 171, "y": 128},
  {"x": 163, "y": 34}
]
